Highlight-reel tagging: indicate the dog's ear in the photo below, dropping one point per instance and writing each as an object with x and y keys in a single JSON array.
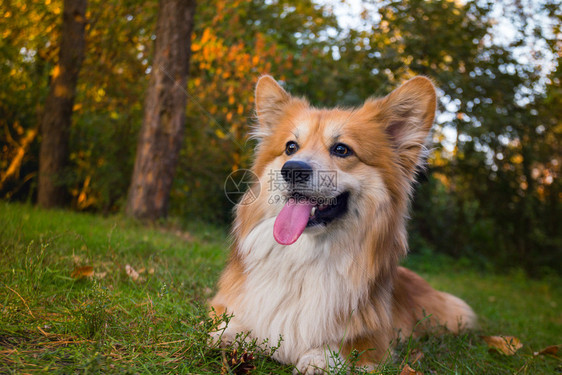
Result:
[
  {"x": 407, "y": 114},
  {"x": 271, "y": 100}
]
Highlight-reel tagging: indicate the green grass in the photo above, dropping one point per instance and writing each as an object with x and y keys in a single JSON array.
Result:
[{"x": 51, "y": 322}]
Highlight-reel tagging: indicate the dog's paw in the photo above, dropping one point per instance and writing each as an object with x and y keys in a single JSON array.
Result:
[
  {"x": 312, "y": 362},
  {"x": 222, "y": 339},
  {"x": 223, "y": 336}
]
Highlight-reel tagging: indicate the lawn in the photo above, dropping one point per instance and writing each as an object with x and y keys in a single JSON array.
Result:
[{"x": 81, "y": 293}]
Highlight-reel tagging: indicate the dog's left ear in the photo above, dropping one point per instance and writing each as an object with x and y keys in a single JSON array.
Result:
[{"x": 407, "y": 114}]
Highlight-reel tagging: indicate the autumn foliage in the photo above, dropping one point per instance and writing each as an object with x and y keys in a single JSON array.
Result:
[{"x": 492, "y": 191}]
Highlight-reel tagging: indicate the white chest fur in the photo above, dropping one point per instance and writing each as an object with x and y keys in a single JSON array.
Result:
[{"x": 302, "y": 292}]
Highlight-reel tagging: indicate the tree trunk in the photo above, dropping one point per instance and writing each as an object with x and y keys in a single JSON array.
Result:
[
  {"x": 57, "y": 117},
  {"x": 163, "y": 125}
]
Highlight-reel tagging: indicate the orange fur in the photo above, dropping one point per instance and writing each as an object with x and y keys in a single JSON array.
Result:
[{"x": 347, "y": 270}]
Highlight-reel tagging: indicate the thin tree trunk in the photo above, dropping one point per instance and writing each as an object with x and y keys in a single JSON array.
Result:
[
  {"x": 57, "y": 117},
  {"x": 163, "y": 125}
]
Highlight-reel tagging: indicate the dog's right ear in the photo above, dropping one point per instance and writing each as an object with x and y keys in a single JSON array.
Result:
[{"x": 271, "y": 100}]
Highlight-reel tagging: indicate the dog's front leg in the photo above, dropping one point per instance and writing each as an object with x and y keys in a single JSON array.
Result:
[{"x": 318, "y": 360}]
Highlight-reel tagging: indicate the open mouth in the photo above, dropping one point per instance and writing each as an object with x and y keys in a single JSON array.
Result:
[
  {"x": 301, "y": 212},
  {"x": 325, "y": 211}
]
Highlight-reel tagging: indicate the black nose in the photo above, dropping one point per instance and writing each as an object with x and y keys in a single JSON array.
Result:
[{"x": 295, "y": 172}]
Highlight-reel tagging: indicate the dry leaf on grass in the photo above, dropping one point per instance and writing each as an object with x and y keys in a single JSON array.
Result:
[
  {"x": 507, "y": 345},
  {"x": 134, "y": 275},
  {"x": 407, "y": 370},
  {"x": 552, "y": 350},
  {"x": 82, "y": 272}
]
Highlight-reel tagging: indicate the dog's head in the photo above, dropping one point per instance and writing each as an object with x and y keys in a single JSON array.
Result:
[{"x": 322, "y": 168}]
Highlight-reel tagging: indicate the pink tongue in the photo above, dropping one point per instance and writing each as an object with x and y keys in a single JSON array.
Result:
[{"x": 291, "y": 221}]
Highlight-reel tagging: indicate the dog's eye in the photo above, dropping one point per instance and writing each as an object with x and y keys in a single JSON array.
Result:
[
  {"x": 341, "y": 150},
  {"x": 291, "y": 147}
]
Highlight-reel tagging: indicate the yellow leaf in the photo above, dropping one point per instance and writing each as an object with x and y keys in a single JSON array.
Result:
[
  {"x": 206, "y": 35},
  {"x": 517, "y": 159},
  {"x": 552, "y": 350},
  {"x": 220, "y": 134},
  {"x": 407, "y": 370},
  {"x": 507, "y": 345},
  {"x": 82, "y": 272},
  {"x": 56, "y": 72}
]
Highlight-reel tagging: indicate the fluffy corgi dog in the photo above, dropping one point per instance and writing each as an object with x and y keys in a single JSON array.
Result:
[{"x": 315, "y": 256}]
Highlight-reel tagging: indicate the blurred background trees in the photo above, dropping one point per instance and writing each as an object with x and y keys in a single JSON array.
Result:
[{"x": 491, "y": 192}]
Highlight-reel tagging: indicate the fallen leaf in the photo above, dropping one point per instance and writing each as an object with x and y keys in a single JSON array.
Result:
[
  {"x": 552, "y": 350},
  {"x": 507, "y": 345},
  {"x": 407, "y": 370},
  {"x": 134, "y": 275},
  {"x": 82, "y": 272}
]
